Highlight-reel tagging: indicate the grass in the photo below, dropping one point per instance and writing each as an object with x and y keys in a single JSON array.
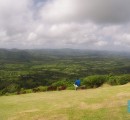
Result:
[{"x": 104, "y": 103}]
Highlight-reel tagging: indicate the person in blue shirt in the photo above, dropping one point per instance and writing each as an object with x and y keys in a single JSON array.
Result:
[{"x": 77, "y": 84}]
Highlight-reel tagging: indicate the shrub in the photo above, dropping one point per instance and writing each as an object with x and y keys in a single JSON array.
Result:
[
  {"x": 4, "y": 91},
  {"x": 112, "y": 80},
  {"x": 36, "y": 89},
  {"x": 70, "y": 88},
  {"x": 0, "y": 93},
  {"x": 119, "y": 80},
  {"x": 42, "y": 88},
  {"x": 123, "y": 79},
  {"x": 12, "y": 88},
  {"x": 94, "y": 81},
  {"x": 28, "y": 90},
  {"x": 60, "y": 83},
  {"x": 87, "y": 82},
  {"x": 61, "y": 88},
  {"x": 22, "y": 91},
  {"x": 51, "y": 88}
]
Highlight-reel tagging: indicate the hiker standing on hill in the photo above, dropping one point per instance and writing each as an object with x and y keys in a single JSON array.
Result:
[{"x": 77, "y": 84}]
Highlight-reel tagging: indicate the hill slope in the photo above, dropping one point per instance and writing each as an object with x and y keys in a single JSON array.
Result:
[
  {"x": 104, "y": 103},
  {"x": 14, "y": 55}
]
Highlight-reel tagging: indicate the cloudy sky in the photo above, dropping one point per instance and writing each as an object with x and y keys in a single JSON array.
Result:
[{"x": 82, "y": 24}]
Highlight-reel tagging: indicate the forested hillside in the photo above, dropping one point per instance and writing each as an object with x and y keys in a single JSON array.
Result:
[{"x": 31, "y": 69}]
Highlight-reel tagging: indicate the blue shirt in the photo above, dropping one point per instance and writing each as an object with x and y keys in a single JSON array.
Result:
[{"x": 77, "y": 82}]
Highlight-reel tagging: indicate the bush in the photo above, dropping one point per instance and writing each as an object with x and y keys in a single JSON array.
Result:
[
  {"x": 28, "y": 90},
  {"x": 42, "y": 88},
  {"x": 60, "y": 83},
  {"x": 70, "y": 88},
  {"x": 119, "y": 80},
  {"x": 22, "y": 91},
  {"x": 36, "y": 89},
  {"x": 61, "y": 88},
  {"x": 112, "y": 80},
  {"x": 4, "y": 91},
  {"x": 123, "y": 79},
  {"x": 51, "y": 88},
  {"x": 1, "y": 93},
  {"x": 94, "y": 81},
  {"x": 12, "y": 88}
]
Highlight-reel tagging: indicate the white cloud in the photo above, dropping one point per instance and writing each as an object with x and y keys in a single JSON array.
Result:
[
  {"x": 100, "y": 11},
  {"x": 100, "y": 24},
  {"x": 123, "y": 39}
]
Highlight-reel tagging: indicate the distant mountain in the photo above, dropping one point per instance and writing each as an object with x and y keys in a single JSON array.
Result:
[
  {"x": 75, "y": 53},
  {"x": 15, "y": 55}
]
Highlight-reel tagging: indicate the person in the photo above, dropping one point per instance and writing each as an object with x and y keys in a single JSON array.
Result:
[{"x": 77, "y": 84}]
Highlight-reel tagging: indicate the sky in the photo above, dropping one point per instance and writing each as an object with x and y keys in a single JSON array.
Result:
[{"x": 76, "y": 24}]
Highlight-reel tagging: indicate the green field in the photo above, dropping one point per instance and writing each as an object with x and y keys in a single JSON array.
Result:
[{"x": 103, "y": 103}]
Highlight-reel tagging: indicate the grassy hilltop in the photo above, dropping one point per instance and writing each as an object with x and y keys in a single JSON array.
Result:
[{"x": 103, "y": 103}]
